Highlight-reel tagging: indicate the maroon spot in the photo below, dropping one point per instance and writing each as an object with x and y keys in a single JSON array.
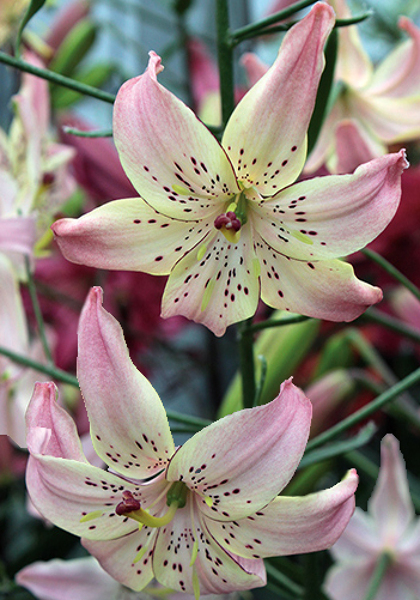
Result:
[
  {"x": 136, "y": 221},
  {"x": 294, "y": 148},
  {"x": 158, "y": 258}
]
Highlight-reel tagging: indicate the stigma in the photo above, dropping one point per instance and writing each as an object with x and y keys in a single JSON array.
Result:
[{"x": 229, "y": 224}]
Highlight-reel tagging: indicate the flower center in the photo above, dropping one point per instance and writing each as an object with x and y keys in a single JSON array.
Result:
[
  {"x": 230, "y": 222},
  {"x": 176, "y": 497}
]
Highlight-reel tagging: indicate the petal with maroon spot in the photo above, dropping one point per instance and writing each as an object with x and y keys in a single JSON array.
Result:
[
  {"x": 117, "y": 557},
  {"x": 326, "y": 289},
  {"x": 164, "y": 148},
  {"x": 237, "y": 474},
  {"x": 215, "y": 284},
  {"x": 290, "y": 525},
  {"x": 129, "y": 235},
  {"x": 265, "y": 137},
  {"x": 129, "y": 426},
  {"x": 330, "y": 217}
]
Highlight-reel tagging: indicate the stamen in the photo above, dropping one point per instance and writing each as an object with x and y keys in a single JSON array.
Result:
[{"x": 229, "y": 224}]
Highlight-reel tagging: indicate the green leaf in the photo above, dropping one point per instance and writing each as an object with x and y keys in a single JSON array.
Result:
[
  {"x": 74, "y": 47},
  {"x": 95, "y": 76},
  {"x": 339, "y": 448},
  {"x": 33, "y": 8}
]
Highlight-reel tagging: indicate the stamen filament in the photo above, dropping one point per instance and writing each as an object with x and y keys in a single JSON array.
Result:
[{"x": 147, "y": 519}]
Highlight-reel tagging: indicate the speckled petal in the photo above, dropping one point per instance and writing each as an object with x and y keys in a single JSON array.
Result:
[
  {"x": 330, "y": 217},
  {"x": 216, "y": 284},
  {"x": 62, "y": 485},
  {"x": 290, "y": 525},
  {"x": 240, "y": 473},
  {"x": 117, "y": 557},
  {"x": 265, "y": 137},
  {"x": 327, "y": 289},
  {"x": 129, "y": 427},
  {"x": 164, "y": 148},
  {"x": 217, "y": 572},
  {"x": 128, "y": 235}
]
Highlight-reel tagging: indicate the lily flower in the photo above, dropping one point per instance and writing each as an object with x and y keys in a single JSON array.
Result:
[
  {"x": 224, "y": 220},
  {"x": 376, "y": 106},
  {"x": 34, "y": 176},
  {"x": 199, "y": 518},
  {"x": 388, "y": 528}
]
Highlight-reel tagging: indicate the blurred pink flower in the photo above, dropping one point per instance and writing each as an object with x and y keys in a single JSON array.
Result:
[{"x": 389, "y": 527}]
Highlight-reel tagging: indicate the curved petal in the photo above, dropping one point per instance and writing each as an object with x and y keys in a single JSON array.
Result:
[
  {"x": 291, "y": 525},
  {"x": 392, "y": 120},
  {"x": 216, "y": 284},
  {"x": 265, "y": 137},
  {"x": 353, "y": 64},
  {"x": 128, "y": 235},
  {"x": 117, "y": 557},
  {"x": 68, "y": 579},
  {"x": 59, "y": 434},
  {"x": 64, "y": 491},
  {"x": 327, "y": 289},
  {"x": 398, "y": 75},
  {"x": 217, "y": 571},
  {"x": 390, "y": 504},
  {"x": 254, "y": 67},
  {"x": 329, "y": 217},
  {"x": 355, "y": 146},
  {"x": 241, "y": 472},
  {"x": 164, "y": 147},
  {"x": 129, "y": 427}
]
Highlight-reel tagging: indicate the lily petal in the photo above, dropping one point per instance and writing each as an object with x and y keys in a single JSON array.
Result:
[
  {"x": 117, "y": 557},
  {"x": 390, "y": 503},
  {"x": 68, "y": 579},
  {"x": 216, "y": 284},
  {"x": 359, "y": 539},
  {"x": 329, "y": 217},
  {"x": 266, "y": 135},
  {"x": 129, "y": 427},
  {"x": 354, "y": 146},
  {"x": 398, "y": 75},
  {"x": 235, "y": 474},
  {"x": 291, "y": 525},
  {"x": 153, "y": 127},
  {"x": 217, "y": 571},
  {"x": 327, "y": 289},
  {"x": 62, "y": 485},
  {"x": 128, "y": 235},
  {"x": 17, "y": 234}
]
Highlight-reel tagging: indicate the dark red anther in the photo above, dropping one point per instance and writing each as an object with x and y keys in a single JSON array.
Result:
[
  {"x": 128, "y": 504},
  {"x": 48, "y": 179},
  {"x": 227, "y": 220}
]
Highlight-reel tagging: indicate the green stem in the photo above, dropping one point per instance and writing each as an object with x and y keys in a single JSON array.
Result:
[
  {"x": 87, "y": 134},
  {"x": 54, "y": 372},
  {"x": 391, "y": 270},
  {"x": 277, "y": 323},
  {"x": 376, "y": 316},
  {"x": 354, "y": 419},
  {"x": 282, "y": 579},
  {"x": 383, "y": 563},
  {"x": 247, "y": 364},
  {"x": 37, "y": 311},
  {"x": 67, "y": 82},
  {"x": 225, "y": 59},
  {"x": 239, "y": 34},
  {"x": 311, "y": 576}
]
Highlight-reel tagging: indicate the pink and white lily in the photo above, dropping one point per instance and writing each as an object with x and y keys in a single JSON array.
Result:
[
  {"x": 224, "y": 220},
  {"x": 376, "y": 107},
  {"x": 199, "y": 518},
  {"x": 34, "y": 176},
  {"x": 390, "y": 527}
]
